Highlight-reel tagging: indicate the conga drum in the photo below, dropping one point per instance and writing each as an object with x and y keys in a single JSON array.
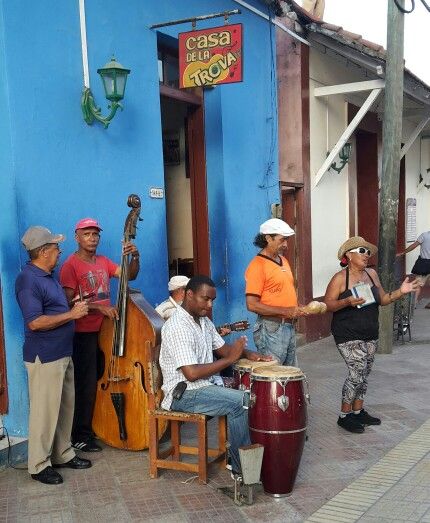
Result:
[
  {"x": 277, "y": 420},
  {"x": 242, "y": 371}
]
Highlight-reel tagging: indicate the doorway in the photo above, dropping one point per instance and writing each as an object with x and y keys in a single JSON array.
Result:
[
  {"x": 368, "y": 191},
  {"x": 187, "y": 223}
]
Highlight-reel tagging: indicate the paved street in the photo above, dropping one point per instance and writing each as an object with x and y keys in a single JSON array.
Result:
[{"x": 380, "y": 487}]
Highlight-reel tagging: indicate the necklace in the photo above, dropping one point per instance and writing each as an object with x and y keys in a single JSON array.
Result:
[{"x": 360, "y": 275}]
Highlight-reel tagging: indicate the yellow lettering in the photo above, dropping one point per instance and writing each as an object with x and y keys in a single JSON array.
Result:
[
  {"x": 231, "y": 58},
  {"x": 190, "y": 43},
  {"x": 214, "y": 70},
  {"x": 224, "y": 38},
  {"x": 202, "y": 42},
  {"x": 195, "y": 76},
  {"x": 213, "y": 40},
  {"x": 205, "y": 78}
]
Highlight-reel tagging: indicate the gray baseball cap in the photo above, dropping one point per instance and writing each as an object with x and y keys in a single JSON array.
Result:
[{"x": 37, "y": 236}]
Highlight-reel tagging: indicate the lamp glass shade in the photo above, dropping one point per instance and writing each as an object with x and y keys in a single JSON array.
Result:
[
  {"x": 114, "y": 77},
  {"x": 346, "y": 151}
]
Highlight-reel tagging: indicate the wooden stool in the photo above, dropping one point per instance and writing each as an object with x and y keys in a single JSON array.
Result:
[{"x": 171, "y": 457}]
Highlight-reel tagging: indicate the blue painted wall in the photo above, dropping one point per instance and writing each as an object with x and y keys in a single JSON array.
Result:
[{"x": 56, "y": 169}]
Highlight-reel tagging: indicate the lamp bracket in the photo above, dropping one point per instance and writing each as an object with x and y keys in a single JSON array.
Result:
[
  {"x": 344, "y": 156},
  {"x": 91, "y": 112}
]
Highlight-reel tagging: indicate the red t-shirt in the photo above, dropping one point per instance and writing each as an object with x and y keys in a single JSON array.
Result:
[{"x": 90, "y": 277}]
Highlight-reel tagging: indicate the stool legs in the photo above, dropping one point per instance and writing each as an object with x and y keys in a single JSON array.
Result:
[
  {"x": 153, "y": 447},
  {"x": 222, "y": 439},
  {"x": 175, "y": 438},
  {"x": 203, "y": 451}
]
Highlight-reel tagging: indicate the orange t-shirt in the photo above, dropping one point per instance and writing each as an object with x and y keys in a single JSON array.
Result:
[{"x": 271, "y": 281}]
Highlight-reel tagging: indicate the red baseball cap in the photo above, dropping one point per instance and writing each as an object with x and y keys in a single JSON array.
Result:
[{"x": 85, "y": 223}]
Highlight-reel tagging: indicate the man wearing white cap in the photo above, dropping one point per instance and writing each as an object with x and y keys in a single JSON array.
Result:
[
  {"x": 87, "y": 273},
  {"x": 176, "y": 288},
  {"x": 271, "y": 294}
]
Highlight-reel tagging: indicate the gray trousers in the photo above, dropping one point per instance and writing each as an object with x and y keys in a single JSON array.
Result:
[{"x": 52, "y": 395}]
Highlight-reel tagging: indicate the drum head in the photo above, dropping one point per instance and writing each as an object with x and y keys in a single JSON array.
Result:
[
  {"x": 248, "y": 365},
  {"x": 277, "y": 372}
]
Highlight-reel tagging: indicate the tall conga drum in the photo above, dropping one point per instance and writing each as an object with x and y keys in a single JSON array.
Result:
[
  {"x": 277, "y": 420},
  {"x": 242, "y": 371}
]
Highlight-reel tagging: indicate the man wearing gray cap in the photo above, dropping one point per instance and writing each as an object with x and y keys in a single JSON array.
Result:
[
  {"x": 176, "y": 288},
  {"x": 47, "y": 351},
  {"x": 271, "y": 294}
]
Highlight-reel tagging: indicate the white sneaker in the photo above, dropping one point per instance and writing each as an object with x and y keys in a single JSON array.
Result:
[{"x": 236, "y": 477}]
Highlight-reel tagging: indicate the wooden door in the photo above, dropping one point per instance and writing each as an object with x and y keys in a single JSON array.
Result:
[
  {"x": 199, "y": 199},
  {"x": 289, "y": 214},
  {"x": 367, "y": 186}
]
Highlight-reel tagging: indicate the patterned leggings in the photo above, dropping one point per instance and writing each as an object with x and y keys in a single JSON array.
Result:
[{"x": 359, "y": 356}]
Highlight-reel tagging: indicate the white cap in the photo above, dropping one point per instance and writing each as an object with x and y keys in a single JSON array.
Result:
[
  {"x": 177, "y": 282},
  {"x": 276, "y": 226}
]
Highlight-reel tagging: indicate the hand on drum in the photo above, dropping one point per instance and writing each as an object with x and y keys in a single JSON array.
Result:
[
  {"x": 237, "y": 348},
  {"x": 256, "y": 356}
]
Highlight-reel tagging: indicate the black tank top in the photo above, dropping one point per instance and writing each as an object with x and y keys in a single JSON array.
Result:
[{"x": 352, "y": 323}]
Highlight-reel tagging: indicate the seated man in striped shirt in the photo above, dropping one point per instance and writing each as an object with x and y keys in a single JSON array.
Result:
[{"x": 188, "y": 341}]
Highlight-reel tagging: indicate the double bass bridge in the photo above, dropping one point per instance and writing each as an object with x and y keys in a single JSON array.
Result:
[{"x": 119, "y": 379}]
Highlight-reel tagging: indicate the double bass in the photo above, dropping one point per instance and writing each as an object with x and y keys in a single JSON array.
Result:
[{"x": 121, "y": 408}]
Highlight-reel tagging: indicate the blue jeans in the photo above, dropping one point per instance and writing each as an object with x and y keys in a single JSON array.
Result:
[
  {"x": 276, "y": 339},
  {"x": 216, "y": 401}
]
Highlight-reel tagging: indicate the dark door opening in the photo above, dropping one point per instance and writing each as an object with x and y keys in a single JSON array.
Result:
[{"x": 187, "y": 221}]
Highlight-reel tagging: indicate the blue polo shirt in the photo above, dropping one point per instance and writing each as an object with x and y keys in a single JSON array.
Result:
[{"x": 38, "y": 293}]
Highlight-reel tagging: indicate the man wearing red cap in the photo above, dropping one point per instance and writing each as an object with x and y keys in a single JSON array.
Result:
[{"x": 86, "y": 273}]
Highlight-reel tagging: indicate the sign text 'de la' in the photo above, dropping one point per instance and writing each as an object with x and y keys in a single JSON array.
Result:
[{"x": 210, "y": 56}]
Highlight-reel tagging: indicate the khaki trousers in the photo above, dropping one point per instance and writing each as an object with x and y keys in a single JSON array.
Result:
[{"x": 52, "y": 396}]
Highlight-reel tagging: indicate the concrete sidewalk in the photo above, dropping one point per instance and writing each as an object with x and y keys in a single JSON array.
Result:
[{"x": 118, "y": 488}]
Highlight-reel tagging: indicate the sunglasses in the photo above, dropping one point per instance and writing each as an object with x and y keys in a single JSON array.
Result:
[{"x": 361, "y": 250}]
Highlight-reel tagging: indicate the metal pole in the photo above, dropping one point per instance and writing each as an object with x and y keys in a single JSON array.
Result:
[
  {"x": 225, "y": 14},
  {"x": 391, "y": 143}
]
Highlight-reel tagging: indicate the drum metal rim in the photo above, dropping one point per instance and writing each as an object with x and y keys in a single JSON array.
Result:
[
  {"x": 277, "y": 378},
  {"x": 242, "y": 368},
  {"x": 277, "y": 495},
  {"x": 278, "y": 431}
]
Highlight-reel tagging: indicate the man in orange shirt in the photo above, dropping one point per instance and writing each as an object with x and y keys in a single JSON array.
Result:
[{"x": 271, "y": 294}]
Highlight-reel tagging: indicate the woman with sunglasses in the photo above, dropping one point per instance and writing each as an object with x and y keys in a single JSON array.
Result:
[{"x": 354, "y": 295}]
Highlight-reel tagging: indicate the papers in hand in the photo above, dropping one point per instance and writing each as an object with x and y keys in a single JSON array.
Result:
[{"x": 363, "y": 290}]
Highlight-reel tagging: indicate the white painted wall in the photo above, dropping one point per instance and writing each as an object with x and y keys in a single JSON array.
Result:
[
  {"x": 413, "y": 167},
  {"x": 329, "y": 199}
]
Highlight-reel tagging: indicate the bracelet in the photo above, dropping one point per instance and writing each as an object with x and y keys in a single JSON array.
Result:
[{"x": 135, "y": 256}]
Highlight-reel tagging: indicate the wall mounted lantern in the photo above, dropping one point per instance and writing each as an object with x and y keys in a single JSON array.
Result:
[
  {"x": 344, "y": 157},
  {"x": 114, "y": 77}
]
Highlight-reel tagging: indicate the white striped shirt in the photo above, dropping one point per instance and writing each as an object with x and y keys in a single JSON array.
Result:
[{"x": 183, "y": 342}]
